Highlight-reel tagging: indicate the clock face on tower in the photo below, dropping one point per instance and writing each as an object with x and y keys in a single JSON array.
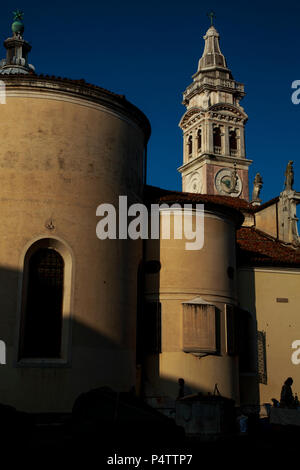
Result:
[{"x": 228, "y": 182}]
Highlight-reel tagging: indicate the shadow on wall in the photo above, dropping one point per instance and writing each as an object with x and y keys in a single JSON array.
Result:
[
  {"x": 149, "y": 320},
  {"x": 91, "y": 359},
  {"x": 253, "y": 370},
  {"x": 39, "y": 387},
  {"x": 41, "y": 383}
]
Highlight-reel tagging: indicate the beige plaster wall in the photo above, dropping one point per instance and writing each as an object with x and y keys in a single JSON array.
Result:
[
  {"x": 60, "y": 158},
  {"x": 258, "y": 290},
  {"x": 185, "y": 275},
  {"x": 266, "y": 220}
]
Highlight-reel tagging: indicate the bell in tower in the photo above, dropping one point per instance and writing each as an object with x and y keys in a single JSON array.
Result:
[{"x": 214, "y": 160}]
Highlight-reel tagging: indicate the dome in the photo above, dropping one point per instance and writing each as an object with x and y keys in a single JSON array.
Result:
[{"x": 17, "y": 27}]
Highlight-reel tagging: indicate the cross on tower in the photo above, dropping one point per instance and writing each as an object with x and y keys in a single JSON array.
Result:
[{"x": 211, "y": 15}]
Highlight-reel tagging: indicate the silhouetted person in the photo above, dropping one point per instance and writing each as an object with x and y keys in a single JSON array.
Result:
[
  {"x": 287, "y": 398},
  {"x": 183, "y": 389},
  {"x": 276, "y": 403}
]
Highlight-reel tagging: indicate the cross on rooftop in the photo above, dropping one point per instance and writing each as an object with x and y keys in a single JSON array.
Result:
[{"x": 211, "y": 15}]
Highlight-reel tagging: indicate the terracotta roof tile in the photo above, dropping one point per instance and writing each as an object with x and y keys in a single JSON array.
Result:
[
  {"x": 153, "y": 193},
  {"x": 258, "y": 248},
  {"x": 254, "y": 247}
]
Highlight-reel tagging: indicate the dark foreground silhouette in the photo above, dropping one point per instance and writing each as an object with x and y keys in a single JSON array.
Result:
[{"x": 104, "y": 425}]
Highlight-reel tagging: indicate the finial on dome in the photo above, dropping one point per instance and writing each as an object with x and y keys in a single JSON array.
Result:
[
  {"x": 17, "y": 49},
  {"x": 18, "y": 27}
]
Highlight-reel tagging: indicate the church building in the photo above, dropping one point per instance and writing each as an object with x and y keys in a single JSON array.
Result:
[{"x": 78, "y": 312}]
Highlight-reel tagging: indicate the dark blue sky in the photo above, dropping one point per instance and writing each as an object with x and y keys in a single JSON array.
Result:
[{"x": 148, "y": 51}]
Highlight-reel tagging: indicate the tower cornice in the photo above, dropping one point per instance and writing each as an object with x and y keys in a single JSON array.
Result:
[
  {"x": 213, "y": 159},
  {"x": 215, "y": 112},
  {"x": 212, "y": 84},
  {"x": 228, "y": 107}
]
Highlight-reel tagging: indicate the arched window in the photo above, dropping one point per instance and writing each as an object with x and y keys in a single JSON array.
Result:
[
  {"x": 43, "y": 300},
  {"x": 199, "y": 140},
  {"x": 190, "y": 145},
  {"x": 217, "y": 140},
  {"x": 232, "y": 142}
]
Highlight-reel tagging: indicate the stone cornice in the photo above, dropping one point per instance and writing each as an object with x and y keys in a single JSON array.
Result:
[
  {"x": 238, "y": 111},
  {"x": 215, "y": 159},
  {"x": 190, "y": 117},
  {"x": 224, "y": 112},
  {"x": 213, "y": 84},
  {"x": 50, "y": 85}
]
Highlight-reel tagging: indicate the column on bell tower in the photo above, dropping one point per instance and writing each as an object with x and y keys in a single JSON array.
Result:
[{"x": 214, "y": 159}]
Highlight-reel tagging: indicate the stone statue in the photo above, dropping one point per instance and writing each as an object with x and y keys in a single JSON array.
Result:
[
  {"x": 234, "y": 180},
  {"x": 289, "y": 176},
  {"x": 229, "y": 182},
  {"x": 257, "y": 185},
  {"x": 206, "y": 99}
]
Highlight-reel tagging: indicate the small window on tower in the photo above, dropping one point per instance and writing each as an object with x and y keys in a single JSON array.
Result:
[
  {"x": 232, "y": 143},
  {"x": 190, "y": 145},
  {"x": 199, "y": 140},
  {"x": 217, "y": 140}
]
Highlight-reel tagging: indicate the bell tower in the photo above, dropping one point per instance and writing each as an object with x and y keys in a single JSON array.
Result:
[{"x": 214, "y": 160}]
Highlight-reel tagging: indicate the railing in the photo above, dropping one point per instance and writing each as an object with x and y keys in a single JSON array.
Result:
[
  {"x": 215, "y": 82},
  {"x": 233, "y": 153},
  {"x": 217, "y": 150}
]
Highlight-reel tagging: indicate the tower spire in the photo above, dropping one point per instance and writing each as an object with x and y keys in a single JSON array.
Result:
[
  {"x": 17, "y": 49},
  {"x": 212, "y": 57},
  {"x": 214, "y": 160}
]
